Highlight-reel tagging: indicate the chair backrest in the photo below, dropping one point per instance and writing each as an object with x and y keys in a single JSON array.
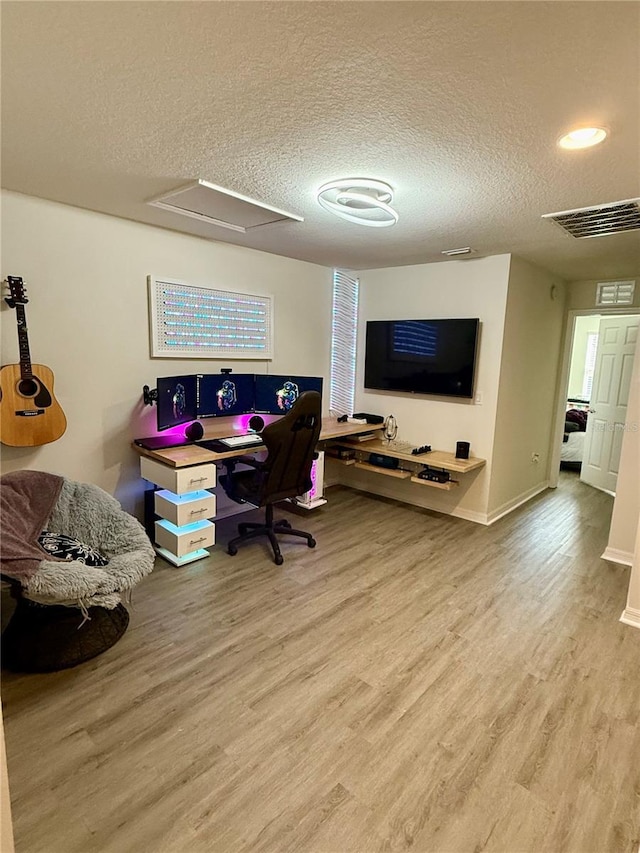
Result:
[{"x": 291, "y": 442}]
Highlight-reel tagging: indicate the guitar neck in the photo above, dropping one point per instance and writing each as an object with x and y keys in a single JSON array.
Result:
[{"x": 23, "y": 343}]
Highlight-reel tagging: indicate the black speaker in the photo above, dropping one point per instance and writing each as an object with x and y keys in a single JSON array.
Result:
[
  {"x": 256, "y": 423},
  {"x": 462, "y": 449},
  {"x": 194, "y": 431}
]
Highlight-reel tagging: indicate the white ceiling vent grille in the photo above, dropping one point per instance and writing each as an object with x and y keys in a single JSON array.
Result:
[
  {"x": 613, "y": 218},
  {"x": 224, "y": 208},
  {"x": 615, "y": 293}
]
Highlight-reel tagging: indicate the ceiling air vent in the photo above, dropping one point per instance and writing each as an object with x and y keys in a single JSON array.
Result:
[
  {"x": 224, "y": 208},
  {"x": 615, "y": 293},
  {"x": 613, "y": 218}
]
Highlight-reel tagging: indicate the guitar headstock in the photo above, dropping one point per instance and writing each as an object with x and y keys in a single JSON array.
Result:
[{"x": 17, "y": 290}]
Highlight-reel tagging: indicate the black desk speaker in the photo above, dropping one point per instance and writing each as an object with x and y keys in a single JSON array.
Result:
[
  {"x": 194, "y": 431},
  {"x": 256, "y": 423},
  {"x": 462, "y": 449}
]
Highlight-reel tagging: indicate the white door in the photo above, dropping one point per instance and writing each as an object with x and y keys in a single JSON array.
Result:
[{"x": 608, "y": 410}]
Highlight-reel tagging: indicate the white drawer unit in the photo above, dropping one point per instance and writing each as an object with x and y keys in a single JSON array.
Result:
[
  {"x": 185, "y": 509},
  {"x": 180, "y": 481},
  {"x": 185, "y": 541},
  {"x": 184, "y": 505}
]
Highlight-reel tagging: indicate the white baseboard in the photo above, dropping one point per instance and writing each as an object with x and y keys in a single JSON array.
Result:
[
  {"x": 509, "y": 506},
  {"x": 631, "y": 616},
  {"x": 617, "y": 556}
]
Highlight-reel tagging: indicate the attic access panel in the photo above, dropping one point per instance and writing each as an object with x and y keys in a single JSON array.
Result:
[{"x": 218, "y": 206}]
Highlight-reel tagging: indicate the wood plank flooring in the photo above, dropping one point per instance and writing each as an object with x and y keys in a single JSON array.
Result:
[{"x": 416, "y": 682}]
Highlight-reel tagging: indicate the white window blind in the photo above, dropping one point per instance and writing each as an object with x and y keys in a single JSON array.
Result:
[
  {"x": 344, "y": 330},
  {"x": 198, "y": 322},
  {"x": 615, "y": 292},
  {"x": 589, "y": 365}
]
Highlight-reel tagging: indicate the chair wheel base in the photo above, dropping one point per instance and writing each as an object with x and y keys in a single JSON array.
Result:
[
  {"x": 232, "y": 550},
  {"x": 278, "y": 559},
  {"x": 311, "y": 543}
]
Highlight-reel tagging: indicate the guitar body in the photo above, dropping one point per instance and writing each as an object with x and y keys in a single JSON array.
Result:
[{"x": 29, "y": 413}]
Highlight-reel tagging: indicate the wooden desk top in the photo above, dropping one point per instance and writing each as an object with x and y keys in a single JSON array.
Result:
[{"x": 192, "y": 454}]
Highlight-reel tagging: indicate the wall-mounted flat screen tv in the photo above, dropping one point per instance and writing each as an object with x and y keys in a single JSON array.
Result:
[{"x": 422, "y": 356}]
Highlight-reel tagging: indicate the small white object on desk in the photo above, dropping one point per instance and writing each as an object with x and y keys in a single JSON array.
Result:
[{"x": 357, "y": 421}]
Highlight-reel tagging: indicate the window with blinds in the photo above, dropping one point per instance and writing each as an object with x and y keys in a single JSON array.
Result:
[
  {"x": 615, "y": 293},
  {"x": 344, "y": 330},
  {"x": 198, "y": 322}
]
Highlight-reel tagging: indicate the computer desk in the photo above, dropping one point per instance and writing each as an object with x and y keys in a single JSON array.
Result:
[
  {"x": 193, "y": 454},
  {"x": 184, "y": 475}
]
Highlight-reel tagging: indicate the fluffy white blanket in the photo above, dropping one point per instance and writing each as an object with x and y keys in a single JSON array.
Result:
[{"x": 92, "y": 516}]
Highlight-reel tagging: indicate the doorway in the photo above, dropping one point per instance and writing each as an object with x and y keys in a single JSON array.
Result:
[{"x": 592, "y": 411}]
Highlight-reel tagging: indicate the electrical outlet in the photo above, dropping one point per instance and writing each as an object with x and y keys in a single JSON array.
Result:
[{"x": 535, "y": 457}]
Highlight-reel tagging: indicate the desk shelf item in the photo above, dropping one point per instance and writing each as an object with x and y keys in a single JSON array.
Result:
[
  {"x": 398, "y": 473},
  {"x": 450, "y": 484}
]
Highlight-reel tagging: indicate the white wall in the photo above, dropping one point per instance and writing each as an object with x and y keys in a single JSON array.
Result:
[
  {"x": 584, "y": 327},
  {"x": 473, "y": 288},
  {"x": 527, "y": 393},
  {"x": 88, "y": 321}
]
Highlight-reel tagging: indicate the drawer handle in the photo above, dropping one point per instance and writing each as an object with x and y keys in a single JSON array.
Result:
[
  {"x": 198, "y": 479},
  {"x": 195, "y": 541},
  {"x": 198, "y": 511}
]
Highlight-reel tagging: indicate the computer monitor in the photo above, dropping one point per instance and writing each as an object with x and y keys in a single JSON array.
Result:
[
  {"x": 224, "y": 394},
  {"x": 276, "y": 394},
  {"x": 176, "y": 400}
]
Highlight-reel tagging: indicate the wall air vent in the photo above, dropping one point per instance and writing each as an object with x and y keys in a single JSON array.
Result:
[
  {"x": 611, "y": 293},
  {"x": 223, "y": 208},
  {"x": 613, "y": 218},
  {"x": 458, "y": 253}
]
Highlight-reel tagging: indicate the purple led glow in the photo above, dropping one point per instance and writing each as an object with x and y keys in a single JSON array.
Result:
[{"x": 313, "y": 491}]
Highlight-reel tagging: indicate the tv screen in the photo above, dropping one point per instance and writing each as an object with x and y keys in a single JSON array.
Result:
[
  {"x": 176, "y": 400},
  {"x": 422, "y": 356},
  {"x": 275, "y": 395},
  {"x": 224, "y": 394}
]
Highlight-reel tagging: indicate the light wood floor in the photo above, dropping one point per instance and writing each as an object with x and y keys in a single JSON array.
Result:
[{"x": 416, "y": 682}]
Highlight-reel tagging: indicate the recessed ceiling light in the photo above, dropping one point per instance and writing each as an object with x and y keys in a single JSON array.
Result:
[
  {"x": 361, "y": 200},
  {"x": 583, "y": 137}
]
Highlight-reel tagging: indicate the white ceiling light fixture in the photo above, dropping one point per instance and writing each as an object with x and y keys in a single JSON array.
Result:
[
  {"x": 582, "y": 137},
  {"x": 363, "y": 201}
]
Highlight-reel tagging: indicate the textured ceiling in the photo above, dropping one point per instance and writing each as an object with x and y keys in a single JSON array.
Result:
[{"x": 456, "y": 105}]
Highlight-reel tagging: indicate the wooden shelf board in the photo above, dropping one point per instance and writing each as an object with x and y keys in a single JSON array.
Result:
[
  {"x": 341, "y": 461},
  {"x": 390, "y": 472},
  {"x": 435, "y": 459},
  {"x": 450, "y": 484}
]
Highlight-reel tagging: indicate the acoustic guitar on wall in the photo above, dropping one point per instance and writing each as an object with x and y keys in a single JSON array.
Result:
[{"x": 29, "y": 413}]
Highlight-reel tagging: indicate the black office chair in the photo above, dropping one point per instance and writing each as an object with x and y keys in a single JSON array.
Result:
[{"x": 285, "y": 473}]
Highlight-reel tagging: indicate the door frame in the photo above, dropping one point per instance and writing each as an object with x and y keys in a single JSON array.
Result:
[{"x": 563, "y": 380}]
